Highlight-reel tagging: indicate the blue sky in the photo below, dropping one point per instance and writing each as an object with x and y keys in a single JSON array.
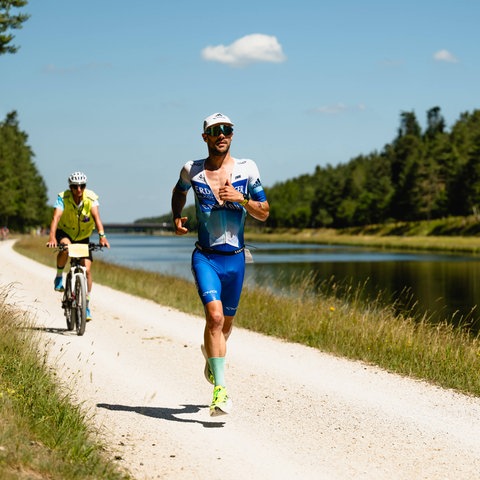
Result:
[{"x": 119, "y": 90}]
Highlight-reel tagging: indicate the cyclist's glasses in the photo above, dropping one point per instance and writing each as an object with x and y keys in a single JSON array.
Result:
[
  {"x": 216, "y": 130},
  {"x": 75, "y": 187}
]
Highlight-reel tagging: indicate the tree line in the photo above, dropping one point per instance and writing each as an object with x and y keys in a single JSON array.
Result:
[
  {"x": 421, "y": 175},
  {"x": 23, "y": 192}
]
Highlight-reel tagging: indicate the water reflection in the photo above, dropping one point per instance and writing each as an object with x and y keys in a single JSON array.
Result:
[{"x": 445, "y": 286}]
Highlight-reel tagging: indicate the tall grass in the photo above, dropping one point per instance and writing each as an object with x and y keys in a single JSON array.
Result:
[
  {"x": 342, "y": 325},
  {"x": 373, "y": 333},
  {"x": 42, "y": 434}
]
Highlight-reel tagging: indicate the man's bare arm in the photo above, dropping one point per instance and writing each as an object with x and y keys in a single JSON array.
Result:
[{"x": 179, "y": 198}]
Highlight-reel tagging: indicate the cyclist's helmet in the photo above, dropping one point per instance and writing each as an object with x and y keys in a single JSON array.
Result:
[{"x": 77, "y": 178}]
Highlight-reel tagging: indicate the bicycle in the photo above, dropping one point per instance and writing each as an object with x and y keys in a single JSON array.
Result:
[{"x": 74, "y": 300}]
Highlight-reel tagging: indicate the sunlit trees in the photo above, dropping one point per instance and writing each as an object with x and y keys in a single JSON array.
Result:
[
  {"x": 420, "y": 175},
  {"x": 23, "y": 193},
  {"x": 10, "y": 20}
]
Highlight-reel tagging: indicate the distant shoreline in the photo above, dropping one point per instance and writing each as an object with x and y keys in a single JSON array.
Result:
[{"x": 463, "y": 244}]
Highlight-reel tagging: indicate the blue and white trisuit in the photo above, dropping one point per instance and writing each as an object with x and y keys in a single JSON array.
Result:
[{"x": 218, "y": 261}]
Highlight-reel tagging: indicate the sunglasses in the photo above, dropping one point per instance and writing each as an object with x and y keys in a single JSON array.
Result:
[
  {"x": 75, "y": 187},
  {"x": 216, "y": 130}
]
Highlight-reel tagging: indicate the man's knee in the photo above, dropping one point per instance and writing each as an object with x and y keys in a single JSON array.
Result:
[{"x": 215, "y": 318}]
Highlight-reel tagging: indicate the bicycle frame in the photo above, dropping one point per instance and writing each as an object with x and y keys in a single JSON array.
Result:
[{"x": 74, "y": 301}]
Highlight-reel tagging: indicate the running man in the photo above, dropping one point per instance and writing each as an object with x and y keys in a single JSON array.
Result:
[
  {"x": 226, "y": 190},
  {"x": 75, "y": 216}
]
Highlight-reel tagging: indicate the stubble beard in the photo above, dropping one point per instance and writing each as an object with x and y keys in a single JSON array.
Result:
[{"x": 219, "y": 151}]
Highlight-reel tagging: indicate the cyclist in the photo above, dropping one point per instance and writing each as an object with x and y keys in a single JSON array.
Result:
[
  {"x": 226, "y": 190},
  {"x": 75, "y": 215}
]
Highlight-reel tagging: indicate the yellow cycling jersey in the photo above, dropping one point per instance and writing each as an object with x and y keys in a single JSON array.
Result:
[{"x": 77, "y": 221}]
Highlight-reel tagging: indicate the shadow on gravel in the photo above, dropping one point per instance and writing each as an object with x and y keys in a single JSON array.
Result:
[
  {"x": 58, "y": 331},
  {"x": 165, "y": 413}
]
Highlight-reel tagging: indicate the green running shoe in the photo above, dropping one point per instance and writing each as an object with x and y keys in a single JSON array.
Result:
[
  {"x": 221, "y": 403},
  {"x": 207, "y": 372}
]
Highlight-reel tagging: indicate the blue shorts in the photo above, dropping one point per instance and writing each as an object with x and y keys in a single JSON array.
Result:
[{"x": 219, "y": 277}]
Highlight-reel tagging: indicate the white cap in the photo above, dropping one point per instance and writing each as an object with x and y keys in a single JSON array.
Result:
[{"x": 215, "y": 119}]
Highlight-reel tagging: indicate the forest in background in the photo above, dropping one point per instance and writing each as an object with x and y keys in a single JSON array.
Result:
[
  {"x": 421, "y": 175},
  {"x": 23, "y": 192}
]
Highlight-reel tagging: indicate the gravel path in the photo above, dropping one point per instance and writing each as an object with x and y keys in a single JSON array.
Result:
[{"x": 298, "y": 413}]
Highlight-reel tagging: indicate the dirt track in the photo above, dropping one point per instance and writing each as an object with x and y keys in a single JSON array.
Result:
[{"x": 298, "y": 413}]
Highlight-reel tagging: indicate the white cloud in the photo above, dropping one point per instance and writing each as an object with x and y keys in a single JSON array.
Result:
[
  {"x": 252, "y": 48},
  {"x": 444, "y": 56}
]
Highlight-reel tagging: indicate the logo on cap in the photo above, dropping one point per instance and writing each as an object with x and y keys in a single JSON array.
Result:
[{"x": 214, "y": 119}]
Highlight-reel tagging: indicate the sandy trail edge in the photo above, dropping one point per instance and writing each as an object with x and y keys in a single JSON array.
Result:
[{"x": 298, "y": 413}]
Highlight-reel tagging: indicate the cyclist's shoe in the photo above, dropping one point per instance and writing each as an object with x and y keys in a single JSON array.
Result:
[
  {"x": 207, "y": 371},
  {"x": 221, "y": 403},
  {"x": 88, "y": 316},
  {"x": 58, "y": 284}
]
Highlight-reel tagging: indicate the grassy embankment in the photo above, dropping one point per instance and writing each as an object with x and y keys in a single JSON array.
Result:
[
  {"x": 42, "y": 435},
  {"x": 456, "y": 235},
  {"x": 35, "y": 437}
]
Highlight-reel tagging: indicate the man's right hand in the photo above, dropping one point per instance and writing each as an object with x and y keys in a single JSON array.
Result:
[{"x": 179, "y": 225}]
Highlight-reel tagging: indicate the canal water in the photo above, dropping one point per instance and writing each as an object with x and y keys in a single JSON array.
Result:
[{"x": 443, "y": 286}]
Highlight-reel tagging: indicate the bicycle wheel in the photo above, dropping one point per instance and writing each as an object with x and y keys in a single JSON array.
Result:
[
  {"x": 80, "y": 304},
  {"x": 67, "y": 304}
]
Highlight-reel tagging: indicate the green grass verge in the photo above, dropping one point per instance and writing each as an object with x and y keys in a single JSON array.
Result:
[
  {"x": 42, "y": 434},
  {"x": 454, "y": 234}
]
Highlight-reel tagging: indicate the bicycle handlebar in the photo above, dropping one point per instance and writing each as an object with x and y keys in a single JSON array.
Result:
[{"x": 91, "y": 246}]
